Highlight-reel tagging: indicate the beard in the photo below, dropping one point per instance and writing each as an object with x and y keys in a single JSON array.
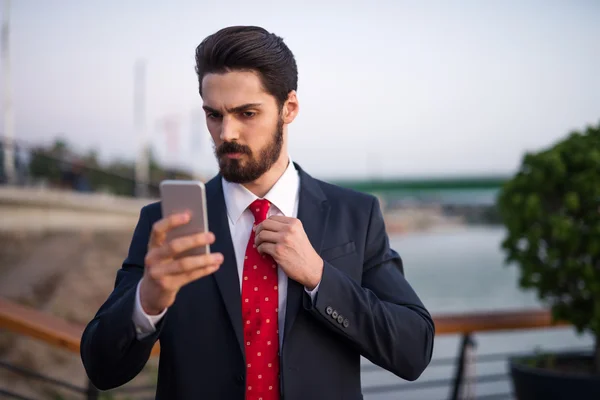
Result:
[{"x": 250, "y": 167}]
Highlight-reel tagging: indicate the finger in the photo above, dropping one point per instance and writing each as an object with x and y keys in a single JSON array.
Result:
[
  {"x": 270, "y": 225},
  {"x": 169, "y": 250},
  {"x": 188, "y": 277},
  {"x": 267, "y": 236},
  {"x": 281, "y": 218},
  {"x": 188, "y": 264},
  {"x": 156, "y": 255},
  {"x": 162, "y": 226},
  {"x": 267, "y": 248},
  {"x": 188, "y": 242}
]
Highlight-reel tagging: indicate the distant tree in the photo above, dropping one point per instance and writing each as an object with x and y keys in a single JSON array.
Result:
[
  {"x": 57, "y": 161},
  {"x": 91, "y": 159},
  {"x": 60, "y": 148},
  {"x": 551, "y": 209},
  {"x": 43, "y": 165}
]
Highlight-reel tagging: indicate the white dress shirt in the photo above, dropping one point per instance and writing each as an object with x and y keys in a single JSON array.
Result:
[{"x": 284, "y": 197}]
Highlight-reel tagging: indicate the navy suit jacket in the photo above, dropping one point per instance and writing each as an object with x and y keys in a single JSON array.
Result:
[{"x": 364, "y": 306}]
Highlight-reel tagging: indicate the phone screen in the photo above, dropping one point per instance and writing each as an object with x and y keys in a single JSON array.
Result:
[{"x": 186, "y": 196}]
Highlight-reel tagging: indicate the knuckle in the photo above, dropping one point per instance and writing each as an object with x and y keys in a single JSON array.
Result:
[
  {"x": 200, "y": 261},
  {"x": 206, "y": 259},
  {"x": 279, "y": 248},
  {"x": 191, "y": 275},
  {"x": 154, "y": 274},
  {"x": 172, "y": 247},
  {"x": 148, "y": 259},
  {"x": 184, "y": 264},
  {"x": 287, "y": 239},
  {"x": 162, "y": 283}
]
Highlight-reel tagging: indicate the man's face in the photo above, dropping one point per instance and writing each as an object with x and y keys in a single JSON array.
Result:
[{"x": 245, "y": 123}]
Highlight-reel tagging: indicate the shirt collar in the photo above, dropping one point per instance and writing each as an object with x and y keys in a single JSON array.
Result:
[{"x": 282, "y": 195}]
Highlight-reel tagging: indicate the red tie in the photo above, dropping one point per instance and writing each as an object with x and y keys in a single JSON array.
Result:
[{"x": 259, "y": 312}]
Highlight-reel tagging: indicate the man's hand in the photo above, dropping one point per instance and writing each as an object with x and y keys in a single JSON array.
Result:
[
  {"x": 284, "y": 239},
  {"x": 163, "y": 274}
]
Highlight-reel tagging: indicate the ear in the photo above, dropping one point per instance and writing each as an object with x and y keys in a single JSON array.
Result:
[{"x": 291, "y": 107}]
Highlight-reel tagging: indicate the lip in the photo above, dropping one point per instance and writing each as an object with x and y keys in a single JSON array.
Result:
[{"x": 234, "y": 156}]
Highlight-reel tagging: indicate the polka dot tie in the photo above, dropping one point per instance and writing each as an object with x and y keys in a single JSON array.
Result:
[{"x": 259, "y": 313}]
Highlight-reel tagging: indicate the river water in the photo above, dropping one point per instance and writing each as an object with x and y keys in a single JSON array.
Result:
[{"x": 463, "y": 270}]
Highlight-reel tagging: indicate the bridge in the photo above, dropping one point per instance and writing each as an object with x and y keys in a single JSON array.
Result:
[
  {"x": 453, "y": 183},
  {"x": 455, "y": 191}
]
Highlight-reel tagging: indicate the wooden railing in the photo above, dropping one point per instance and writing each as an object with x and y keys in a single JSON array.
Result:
[
  {"x": 494, "y": 321},
  {"x": 60, "y": 333},
  {"x": 67, "y": 335},
  {"x": 39, "y": 325}
]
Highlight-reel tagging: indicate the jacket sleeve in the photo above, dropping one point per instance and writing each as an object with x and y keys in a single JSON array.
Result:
[
  {"x": 383, "y": 317},
  {"x": 111, "y": 353}
]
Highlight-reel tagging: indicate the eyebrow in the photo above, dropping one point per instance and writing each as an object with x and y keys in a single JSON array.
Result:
[{"x": 234, "y": 110}]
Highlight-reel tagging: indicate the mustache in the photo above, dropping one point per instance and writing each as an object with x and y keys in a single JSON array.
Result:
[{"x": 232, "y": 147}]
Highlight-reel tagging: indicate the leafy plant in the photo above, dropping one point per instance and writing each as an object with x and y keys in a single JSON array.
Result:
[{"x": 551, "y": 209}]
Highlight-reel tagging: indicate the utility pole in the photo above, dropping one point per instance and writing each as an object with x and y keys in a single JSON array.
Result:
[
  {"x": 142, "y": 164},
  {"x": 9, "y": 122},
  {"x": 196, "y": 141}
]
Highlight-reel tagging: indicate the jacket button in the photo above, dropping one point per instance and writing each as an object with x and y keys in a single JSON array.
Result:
[
  {"x": 346, "y": 323},
  {"x": 329, "y": 310},
  {"x": 334, "y": 314},
  {"x": 340, "y": 319}
]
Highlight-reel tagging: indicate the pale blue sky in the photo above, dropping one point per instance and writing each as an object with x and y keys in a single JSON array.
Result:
[{"x": 387, "y": 88}]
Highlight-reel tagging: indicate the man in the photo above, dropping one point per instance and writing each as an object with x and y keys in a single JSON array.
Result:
[{"x": 300, "y": 281}]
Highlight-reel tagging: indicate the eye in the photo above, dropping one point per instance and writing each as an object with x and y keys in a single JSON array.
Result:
[
  {"x": 248, "y": 114},
  {"x": 213, "y": 115}
]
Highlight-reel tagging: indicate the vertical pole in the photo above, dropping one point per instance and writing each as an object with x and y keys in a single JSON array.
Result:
[
  {"x": 142, "y": 165},
  {"x": 9, "y": 124},
  {"x": 196, "y": 139},
  {"x": 467, "y": 343}
]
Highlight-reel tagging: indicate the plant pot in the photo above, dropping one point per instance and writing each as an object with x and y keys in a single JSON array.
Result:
[{"x": 564, "y": 381}]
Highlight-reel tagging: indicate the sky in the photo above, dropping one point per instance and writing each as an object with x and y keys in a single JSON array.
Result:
[{"x": 386, "y": 88}]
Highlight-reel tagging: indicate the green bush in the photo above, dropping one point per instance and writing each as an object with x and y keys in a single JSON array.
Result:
[{"x": 551, "y": 209}]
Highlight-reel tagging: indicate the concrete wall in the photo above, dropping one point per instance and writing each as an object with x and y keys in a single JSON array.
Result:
[{"x": 32, "y": 209}]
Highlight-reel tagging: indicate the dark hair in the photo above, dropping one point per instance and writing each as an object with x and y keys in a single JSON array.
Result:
[{"x": 249, "y": 48}]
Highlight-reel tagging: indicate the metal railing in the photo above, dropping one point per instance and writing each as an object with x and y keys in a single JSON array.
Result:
[
  {"x": 88, "y": 392},
  {"x": 59, "y": 333},
  {"x": 457, "y": 383}
]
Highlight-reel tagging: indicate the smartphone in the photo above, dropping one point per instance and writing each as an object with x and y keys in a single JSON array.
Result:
[{"x": 178, "y": 196}]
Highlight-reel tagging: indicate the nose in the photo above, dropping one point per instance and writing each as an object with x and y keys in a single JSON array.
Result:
[{"x": 229, "y": 130}]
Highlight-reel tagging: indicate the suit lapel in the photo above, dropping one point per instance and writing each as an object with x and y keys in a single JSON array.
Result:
[
  {"x": 227, "y": 276},
  {"x": 313, "y": 212}
]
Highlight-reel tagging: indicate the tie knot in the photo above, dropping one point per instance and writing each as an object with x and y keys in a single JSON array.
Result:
[{"x": 260, "y": 208}]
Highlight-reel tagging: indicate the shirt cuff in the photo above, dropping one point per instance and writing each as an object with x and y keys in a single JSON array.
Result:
[
  {"x": 145, "y": 324},
  {"x": 313, "y": 293}
]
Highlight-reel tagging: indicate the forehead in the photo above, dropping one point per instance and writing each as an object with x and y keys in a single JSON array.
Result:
[{"x": 230, "y": 89}]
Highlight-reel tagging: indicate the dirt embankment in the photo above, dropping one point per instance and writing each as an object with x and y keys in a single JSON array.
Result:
[{"x": 68, "y": 274}]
